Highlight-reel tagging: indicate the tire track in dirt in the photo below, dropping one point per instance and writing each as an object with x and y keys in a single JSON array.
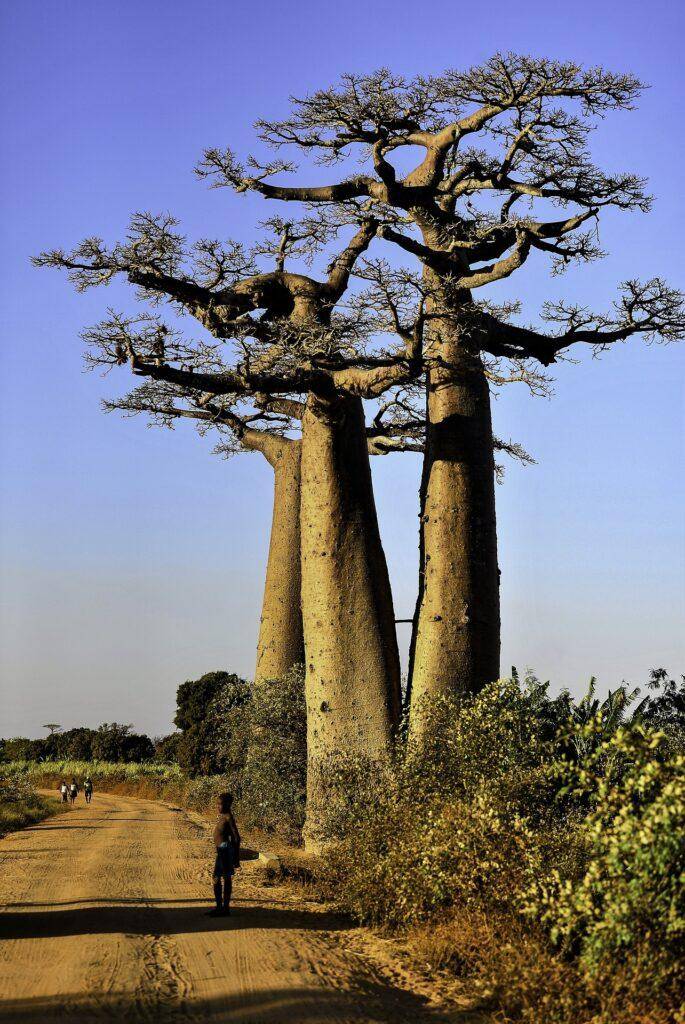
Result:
[{"x": 103, "y": 918}]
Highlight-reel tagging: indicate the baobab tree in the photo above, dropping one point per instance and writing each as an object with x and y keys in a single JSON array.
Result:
[
  {"x": 296, "y": 347},
  {"x": 395, "y": 428},
  {"x": 281, "y": 639},
  {"x": 498, "y": 144}
]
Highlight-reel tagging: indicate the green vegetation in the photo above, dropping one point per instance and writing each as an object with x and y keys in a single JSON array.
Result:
[
  {"x": 20, "y": 805},
  {"x": 250, "y": 740},
  {"x": 109, "y": 742},
  {"x": 628, "y": 903},
  {"x": 210, "y": 714},
  {"x": 275, "y": 774},
  {"x": 532, "y": 845},
  {"x": 99, "y": 771}
]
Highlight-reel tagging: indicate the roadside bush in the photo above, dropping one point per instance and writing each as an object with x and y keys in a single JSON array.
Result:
[
  {"x": 20, "y": 805},
  {"x": 511, "y": 968},
  {"x": 274, "y": 780},
  {"x": 227, "y": 727},
  {"x": 628, "y": 907},
  {"x": 546, "y": 864},
  {"x": 452, "y": 818}
]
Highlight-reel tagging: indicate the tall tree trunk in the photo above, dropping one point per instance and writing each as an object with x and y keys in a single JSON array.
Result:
[
  {"x": 456, "y": 635},
  {"x": 281, "y": 643},
  {"x": 352, "y": 665}
]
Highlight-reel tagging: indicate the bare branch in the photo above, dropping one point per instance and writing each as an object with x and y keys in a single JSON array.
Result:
[
  {"x": 340, "y": 269},
  {"x": 502, "y": 268},
  {"x": 651, "y": 309},
  {"x": 223, "y": 171}
]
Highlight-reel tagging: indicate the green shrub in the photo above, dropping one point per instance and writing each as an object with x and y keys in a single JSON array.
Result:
[
  {"x": 628, "y": 907},
  {"x": 254, "y": 738},
  {"x": 452, "y": 818},
  {"x": 20, "y": 805},
  {"x": 664, "y": 709},
  {"x": 274, "y": 779},
  {"x": 546, "y": 864}
]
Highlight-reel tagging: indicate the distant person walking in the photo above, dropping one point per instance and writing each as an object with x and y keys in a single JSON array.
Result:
[
  {"x": 88, "y": 789},
  {"x": 73, "y": 790},
  {"x": 227, "y": 842},
  {"x": 64, "y": 791}
]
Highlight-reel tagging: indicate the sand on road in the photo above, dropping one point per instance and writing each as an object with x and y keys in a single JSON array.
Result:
[{"x": 103, "y": 917}]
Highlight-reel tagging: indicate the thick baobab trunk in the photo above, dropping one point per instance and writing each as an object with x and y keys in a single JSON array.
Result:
[
  {"x": 281, "y": 644},
  {"x": 456, "y": 637},
  {"x": 352, "y": 676}
]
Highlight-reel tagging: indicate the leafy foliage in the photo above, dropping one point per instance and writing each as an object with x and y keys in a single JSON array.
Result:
[
  {"x": 536, "y": 844},
  {"x": 451, "y": 819},
  {"x": 253, "y": 736},
  {"x": 665, "y": 709},
  {"x": 109, "y": 742},
  {"x": 113, "y": 742},
  {"x": 208, "y": 715},
  {"x": 629, "y": 903},
  {"x": 20, "y": 805},
  {"x": 275, "y": 774},
  {"x": 166, "y": 748}
]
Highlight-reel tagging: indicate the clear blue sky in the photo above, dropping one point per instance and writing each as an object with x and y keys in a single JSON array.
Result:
[{"x": 132, "y": 559}]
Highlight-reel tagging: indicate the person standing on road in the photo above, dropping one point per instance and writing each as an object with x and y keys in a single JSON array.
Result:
[
  {"x": 73, "y": 789},
  {"x": 88, "y": 789},
  {"x": 227, "y": 842},
  {"x": 64, "y": 791}
]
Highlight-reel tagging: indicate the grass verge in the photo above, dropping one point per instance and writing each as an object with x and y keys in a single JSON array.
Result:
[{"x": 20, "y": 805}]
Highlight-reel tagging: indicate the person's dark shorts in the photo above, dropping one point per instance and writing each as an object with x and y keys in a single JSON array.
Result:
[{"x": 224, "y": 865}]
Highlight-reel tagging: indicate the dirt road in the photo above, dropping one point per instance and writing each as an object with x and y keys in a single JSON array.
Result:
[{"x": 103, "y": 918}]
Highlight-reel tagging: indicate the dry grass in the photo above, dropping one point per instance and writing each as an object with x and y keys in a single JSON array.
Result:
[{"x": 521, "y": 979}]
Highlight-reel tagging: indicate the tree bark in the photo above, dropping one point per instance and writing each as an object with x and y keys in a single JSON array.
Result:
[
  {"x": 281, "y": 643},
  {"x": 352, "y": 678},
  {"x": 456, "y": 635}
]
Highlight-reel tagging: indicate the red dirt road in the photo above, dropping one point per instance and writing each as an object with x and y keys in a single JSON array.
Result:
[{"x": 103, "y": 918}]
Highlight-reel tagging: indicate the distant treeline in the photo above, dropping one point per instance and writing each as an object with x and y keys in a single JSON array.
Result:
[
  {"x": 213, "y": 718},
  {"x": 109, "y": 742}
]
